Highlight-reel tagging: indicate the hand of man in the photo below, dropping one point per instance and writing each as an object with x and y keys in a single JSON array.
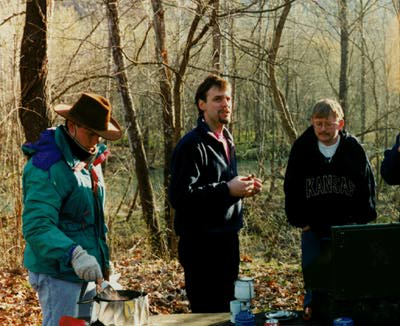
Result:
[
  {"x": 244, "y": 186},
  {"x": 257, "y": 185},
  {"x": 85, "y": 265}
]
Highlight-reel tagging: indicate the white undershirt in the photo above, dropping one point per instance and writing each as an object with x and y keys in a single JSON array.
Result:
[{"x": 328, "y": 151}]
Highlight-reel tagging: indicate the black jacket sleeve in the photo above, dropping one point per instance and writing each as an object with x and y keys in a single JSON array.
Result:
[
  {"x": 390, "y": 167},
  {"x": 294, "y": 192}
]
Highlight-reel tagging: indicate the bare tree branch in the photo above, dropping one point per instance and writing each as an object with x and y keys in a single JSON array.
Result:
[{"x": 11, "y": 17}]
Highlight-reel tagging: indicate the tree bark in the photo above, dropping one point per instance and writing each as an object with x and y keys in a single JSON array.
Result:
[
  {"x": 363, "y": 111},
  {"x": 191, "y": 41},
  {"x": 279, "y": 98},
  {"x": 135, "y": 136},
  {"x": 216, "y": 33},
  {"x": 33, "y": 112},
  {"x": 171, "y": 96},
  {"x": 260, "y": 108},
  {"x": 169, "y": 119},
  {"x": 344, "y": 49}
]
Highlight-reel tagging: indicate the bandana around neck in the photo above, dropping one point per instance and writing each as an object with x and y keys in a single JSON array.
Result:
[{"x": 77, "y": 149}]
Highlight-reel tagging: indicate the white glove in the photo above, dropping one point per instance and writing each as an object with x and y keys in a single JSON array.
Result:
[{"x": 85, "y": 265}]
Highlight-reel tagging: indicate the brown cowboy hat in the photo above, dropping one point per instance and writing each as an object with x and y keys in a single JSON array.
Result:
[{"x": 93, "y": 112}]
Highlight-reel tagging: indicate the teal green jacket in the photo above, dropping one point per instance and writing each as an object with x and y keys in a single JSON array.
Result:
[{"x": 60, "y": 209}]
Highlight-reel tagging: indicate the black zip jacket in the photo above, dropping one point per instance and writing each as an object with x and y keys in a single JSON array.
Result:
[
  {"x": 198, "y": 188},
  {"x": 320, "y": 193},
  {"x": 390, "y": 167}
]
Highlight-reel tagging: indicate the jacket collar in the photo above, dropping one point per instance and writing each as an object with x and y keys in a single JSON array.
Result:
[
  {"x": 63, "y": 145},
  {"x": 201, "y": 123}
]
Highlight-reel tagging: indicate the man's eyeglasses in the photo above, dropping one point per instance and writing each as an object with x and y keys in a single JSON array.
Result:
[{"x": 326, "y": 125}]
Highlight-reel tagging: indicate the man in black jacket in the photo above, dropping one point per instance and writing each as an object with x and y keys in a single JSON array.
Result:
[
  {"x": 328, "y": 182},
  {"x": 206, "y": 192}
]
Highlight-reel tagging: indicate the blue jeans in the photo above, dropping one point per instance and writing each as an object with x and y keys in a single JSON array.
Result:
[
  {"x": 57, "y": 298},
  {"x": 311, "y": 248}
]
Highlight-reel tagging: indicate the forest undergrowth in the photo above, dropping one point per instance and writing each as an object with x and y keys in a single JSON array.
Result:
[{"x": 278, "y": 285}]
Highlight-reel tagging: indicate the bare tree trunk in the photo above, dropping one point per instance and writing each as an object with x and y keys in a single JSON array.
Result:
[
  {"x": 191, "y": 41},
  {"x": 388, "y": 137},
  {"x": 227, "y": 69},
  {"x": 259, "y": 110},
  {"x": 216, "y": 33},
  {"x": 378, "y": 134},
  {"x": 33, "y": 112},
  {"x": 344, "y": 49},
  {"x": 169, "y": 116},
  {"x": 279, "y": 98},
  {"x": 135, "y": 135},
  {"x": 172, "y": 113},
  {"x": 363, "y": 74}
]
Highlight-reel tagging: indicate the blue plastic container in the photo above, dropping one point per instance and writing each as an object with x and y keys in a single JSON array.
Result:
[
  {"x": 245, "y": 318},
  {"x": 343, "y": 321}
]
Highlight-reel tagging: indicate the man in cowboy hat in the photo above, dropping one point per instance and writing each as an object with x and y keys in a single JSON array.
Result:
[{"x": 63, "y": 197}]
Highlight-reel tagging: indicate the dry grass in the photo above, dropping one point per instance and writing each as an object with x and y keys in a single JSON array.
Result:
[{"x": 11, "y": 161}]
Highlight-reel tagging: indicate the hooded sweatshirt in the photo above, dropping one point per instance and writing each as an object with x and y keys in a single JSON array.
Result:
[{"x": 320, "y": 192}]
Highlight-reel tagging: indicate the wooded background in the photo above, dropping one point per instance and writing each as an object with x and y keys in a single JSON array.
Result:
[{"x": 148, "y": 56}]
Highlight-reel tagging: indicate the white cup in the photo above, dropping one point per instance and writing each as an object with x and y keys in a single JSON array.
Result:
[{"x": 235, "y": 309}]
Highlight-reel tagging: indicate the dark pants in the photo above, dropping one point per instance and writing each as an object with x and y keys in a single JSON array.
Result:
[
  {"x": 211, "y": 266},
  {"x": 316, "y": 264}
]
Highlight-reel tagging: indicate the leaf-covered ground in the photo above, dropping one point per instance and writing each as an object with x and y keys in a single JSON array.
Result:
[{"x": 277, "y": 286}]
